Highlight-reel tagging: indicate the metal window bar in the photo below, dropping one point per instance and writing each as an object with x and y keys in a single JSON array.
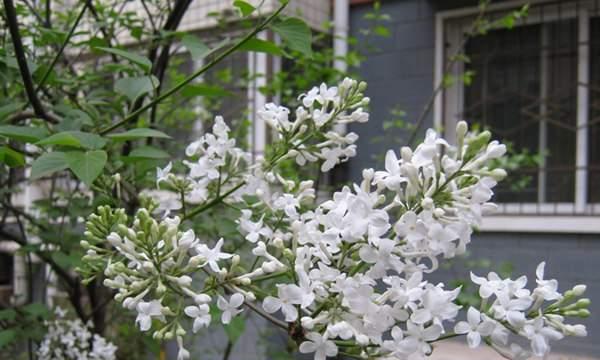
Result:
[{"x": 538, "y": 87}]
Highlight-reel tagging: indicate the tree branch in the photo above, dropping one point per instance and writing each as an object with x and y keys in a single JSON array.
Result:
[{"x": 13, "y": 26}]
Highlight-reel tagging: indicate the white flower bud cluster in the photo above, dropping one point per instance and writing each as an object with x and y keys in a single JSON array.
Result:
[
  {"x": 324, "y": 108},
  {"x": 511, "y": 308},
  {"x": 67, "y": 339},
  {"x": 348, "y": 273}
]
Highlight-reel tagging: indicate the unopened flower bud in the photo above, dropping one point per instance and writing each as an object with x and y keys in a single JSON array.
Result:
[
  {"x": 169, "y": 335},
  {"x": 427, "y": 203},
  {"x": 147, "y": 266},
  {"x": 307, "y": 322},
  {"x": 201, "y": 299},
  {"x": 578, "y": 330},
  {"x": 406, "y": 153},
  {"x": 250, "y": 296},
  {"x": 268, "y": 267},
  {"x": 161, "y": 288},
  {"x": 583, "y": 313},
  {"x": 583, "y": 303},
  {"x": 278, "y": 243},
  {"x": 289, "y": 254},
  {"x": 180, "y": 331},
  {"x": 235, "y": 260},
  {"x": 184, "y": 280},
  {"x": 579, "y": 290},
  {"x": 461, "y": 129},
  {"x": 498, "y": 174}
]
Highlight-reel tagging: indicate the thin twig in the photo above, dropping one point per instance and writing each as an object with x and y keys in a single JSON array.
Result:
[
  {"x": 13, "y": 26},
  {"x": 190, "y": 78},
  {"x": 440, "y": 86},
  {"x": 62, "y": 47}
]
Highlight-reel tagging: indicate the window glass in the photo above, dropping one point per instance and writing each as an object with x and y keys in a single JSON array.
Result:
[{"x": 525, "y": 92}]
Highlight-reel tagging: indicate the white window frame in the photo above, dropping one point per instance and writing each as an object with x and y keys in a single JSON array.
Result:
[{"x": 533, "y": 217}]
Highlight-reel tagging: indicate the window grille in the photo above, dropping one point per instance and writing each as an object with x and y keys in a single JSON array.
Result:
[{"x": 537, "y": 87}]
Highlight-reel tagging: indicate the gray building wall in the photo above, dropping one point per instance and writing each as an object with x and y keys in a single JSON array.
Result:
[{"x": 399, "y": 72}]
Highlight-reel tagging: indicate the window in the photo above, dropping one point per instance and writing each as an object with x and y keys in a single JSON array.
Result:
[
  {"x": 536, "y": 87},
  {"x": 6, "y": 278}
]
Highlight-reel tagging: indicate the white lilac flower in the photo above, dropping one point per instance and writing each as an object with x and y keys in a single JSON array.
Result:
[
  {"x": 540, "y": 336},
  {"x": 353, "y": 265},
  {"x": 230, "y": 308},
  {"x": 475, "y": 327},
  {"x": 146, "y": 311},
  {"x": 253, "y": 230},
  {"x": 320, "y": 345},
  {"x": 547, "y": 289},
  {"x": 163, "y": 174},
  {"x": 214, "y": 255},
  {"x": 200, "y": 314},
  {"x": 288, "y": 296}
]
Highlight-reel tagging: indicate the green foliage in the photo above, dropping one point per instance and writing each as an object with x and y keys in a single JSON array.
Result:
[
  {"x": 195, "y": 46},
  {"x": 265, "y": 46},
  {"x": 93, "y": 145},
  {"x": 77, "y": 139},
  {"x": 245, "y": 8},
  {"x": 28, "y": 134},
  {"x": 88, "y": 165},
  {"x": 47, "y": 164},
  {"x": 137, "y": 59},
  {"x": 11, "y": 157},
  {"x": 134, "y": 87},
  {"x": 296, "y": 34},
  {"x": 138, "y": 133}
]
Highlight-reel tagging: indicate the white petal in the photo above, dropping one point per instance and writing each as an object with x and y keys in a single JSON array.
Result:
[
  {"x": 236, "y": 300},
  {"x": 473, "y": 339},
  {"x": 539, "y": 272},
  {"x": 271, "y": 304},
  {"x": 192, "y": 311},
  {"x": 473, "y": 317},
  {"x": 308, "y": 347},
  {"x": 462, "y": 327}
]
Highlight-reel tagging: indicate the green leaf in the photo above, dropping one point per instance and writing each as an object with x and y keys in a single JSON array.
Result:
[
  {"x": 67, "y": 261},
  {"x": 192, "y": 90},
  {"x": 196, "y": 47},
  {"x": 8, "y": 314},
  {"x": 235, "y": 328},
  {"x": 10, "y": 108},
  {"x": 296, "y": 34},
  {"x": 260, "y": 45},
  {"x": 245, "y": 8},
  {"x": 78, "y": 139},
  {"x": 149, "y": 152},
  {"x": 88, "y": 165},
  {"x": 28, "y": 134},
  {"x": 11, "y": 157},
  {"x": 134, "y": 87},
  {"x": 6, "y": 337},
  {"x": 47, "y": 164},
  {"x": 142, "y": 61},
  {"x": 36, "y": 309},
  {"x": 138, "y": 133}
]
